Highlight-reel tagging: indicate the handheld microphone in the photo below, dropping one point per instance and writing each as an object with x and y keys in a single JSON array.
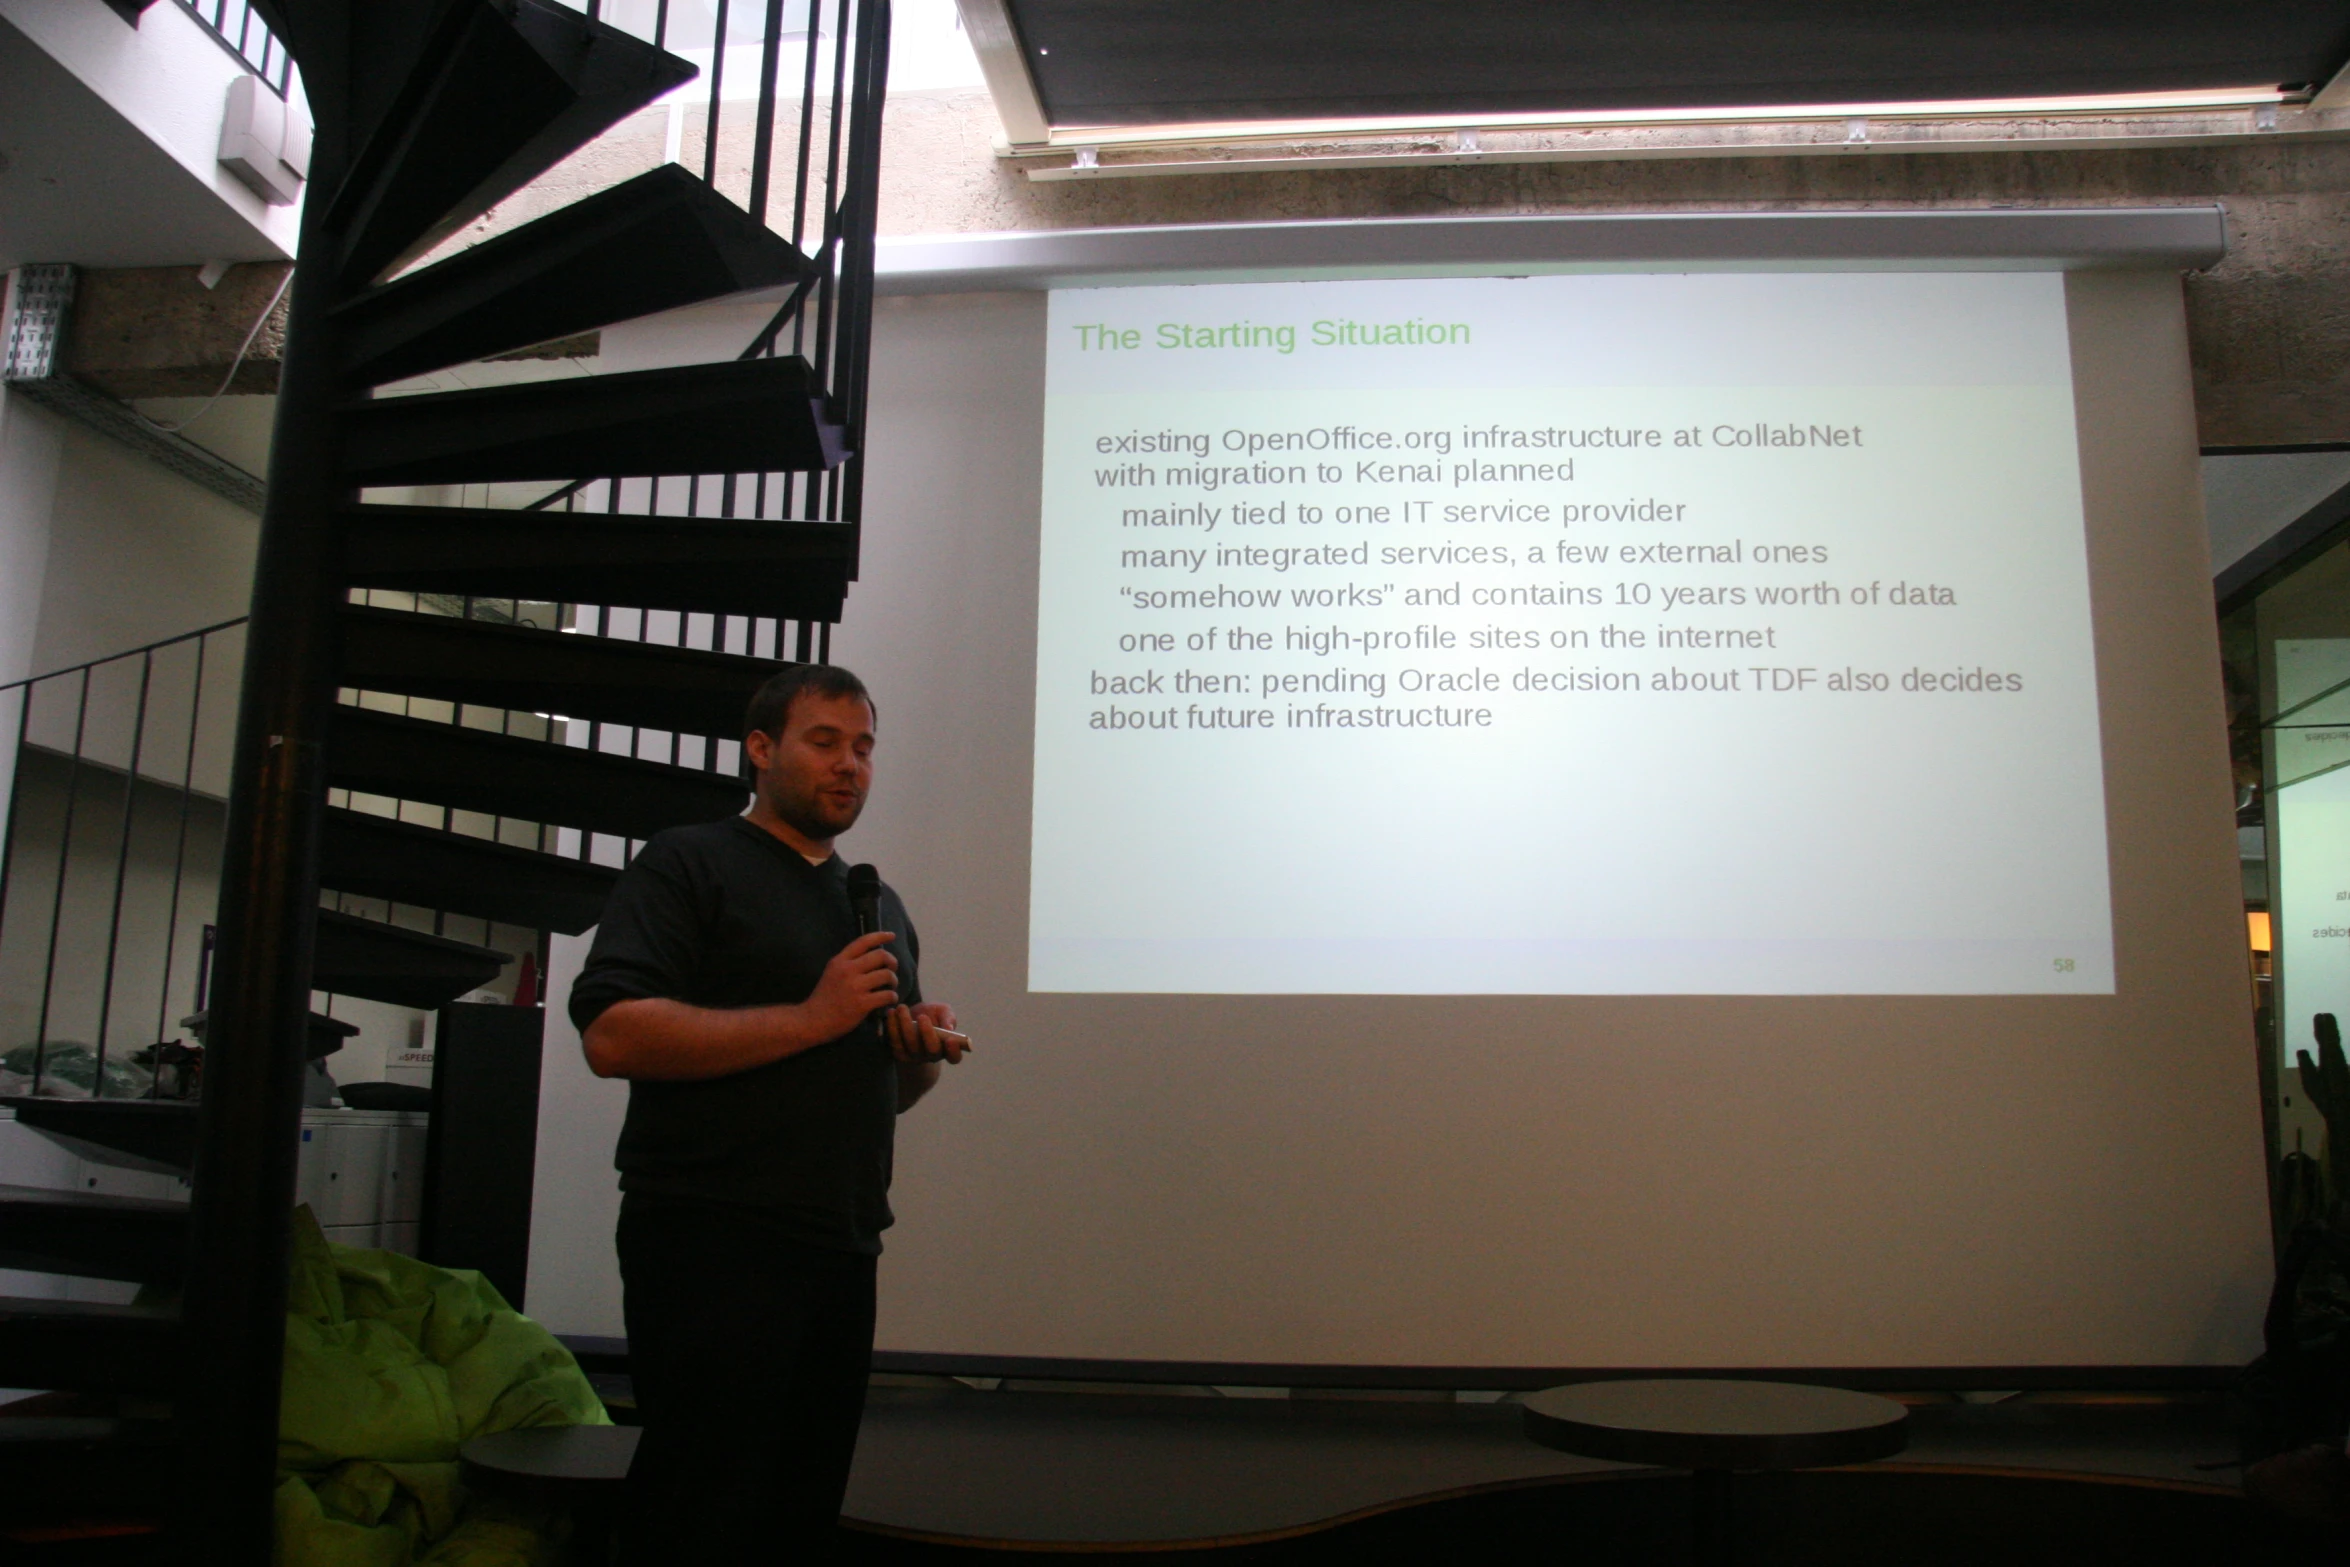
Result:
[{"x": 865, "y": 898}]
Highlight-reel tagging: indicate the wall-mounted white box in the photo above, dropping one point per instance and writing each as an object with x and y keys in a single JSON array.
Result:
[{"x": 265, "y": 141}]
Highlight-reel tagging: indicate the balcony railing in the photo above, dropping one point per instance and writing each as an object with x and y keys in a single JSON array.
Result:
[
  {"x": 116, "y": 777},
  {"x": 238, "y": 28}
]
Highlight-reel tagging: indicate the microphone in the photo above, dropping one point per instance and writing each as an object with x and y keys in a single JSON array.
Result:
[{"x": 865, "y": 898}]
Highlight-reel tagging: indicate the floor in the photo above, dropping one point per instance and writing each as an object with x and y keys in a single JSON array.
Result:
[{"x": 1061, "y": 1468}]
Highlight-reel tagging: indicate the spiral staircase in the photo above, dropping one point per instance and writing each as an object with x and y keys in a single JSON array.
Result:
[{"x": 428, "y": 115}]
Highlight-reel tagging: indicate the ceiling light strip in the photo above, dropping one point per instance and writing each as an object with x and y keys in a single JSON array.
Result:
[
  {"x": 1295, "y": 162},
  {"x": 1067, "y": 137}
]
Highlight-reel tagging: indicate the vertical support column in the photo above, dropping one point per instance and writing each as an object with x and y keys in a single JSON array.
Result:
[
  {"x": 869, "y": 86},
  {"x": 233, "y": 1311}
]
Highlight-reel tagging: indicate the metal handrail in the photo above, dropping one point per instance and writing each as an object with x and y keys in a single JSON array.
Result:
[
  {"x": 151, "y": 647},
  {"x": 842, "y": 49},
  {"x": 16, "y": 710},
  {"x": 821, "y": 180}
]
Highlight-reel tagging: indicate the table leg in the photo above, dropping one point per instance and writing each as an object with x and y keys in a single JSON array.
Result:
[{"x": 1712, "y": 1517}]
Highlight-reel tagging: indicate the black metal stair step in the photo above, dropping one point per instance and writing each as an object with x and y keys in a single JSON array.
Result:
[
  {"x": 150, "y": 1134},
  {"x": 713, "y": 565},
  {"x": 375, "y": 961},
  {"x": 80, "y": 1346},
  {"x": 65, "y": 1471},
  {"x": 502, "y": 91},
  {"x": 657, "y": 242},
  {"x": 476, "y": 770},
  {"x": 741, "y": 416},
  {"x": 138, "y": 1239},
  {"x": 375, "y": 857},
  {"x": 527, "y": 670},
  {"x": 323, "y": 1038}
]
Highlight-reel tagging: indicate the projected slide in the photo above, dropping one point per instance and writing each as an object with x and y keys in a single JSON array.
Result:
[{"x": 1716, "y": 634}]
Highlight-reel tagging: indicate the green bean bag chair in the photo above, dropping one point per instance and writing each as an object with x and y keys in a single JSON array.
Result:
[{"x": 391, "y": 1365}]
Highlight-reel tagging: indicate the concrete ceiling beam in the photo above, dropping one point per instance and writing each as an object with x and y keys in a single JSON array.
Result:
[{"x": 159, "y": 332}]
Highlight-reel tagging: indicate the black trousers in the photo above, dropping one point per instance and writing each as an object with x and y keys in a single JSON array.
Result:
[{"x": 749, "y": 1355}]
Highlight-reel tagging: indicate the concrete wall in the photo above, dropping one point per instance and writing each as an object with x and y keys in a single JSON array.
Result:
[{"x": 2270, "y": 325}]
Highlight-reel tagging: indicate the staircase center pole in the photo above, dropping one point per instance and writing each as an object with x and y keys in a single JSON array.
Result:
[{"x": 240, "y": 1229}]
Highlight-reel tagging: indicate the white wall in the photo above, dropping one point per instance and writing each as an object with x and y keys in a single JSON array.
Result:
[
  {"x": 574, "y": 1283},
  {"x": 117, "y": 553},
  {"x": 136, "y": 554},
  {"x": 146, "y": 1004},
  {"x": 1567, "y": 1181},
  {"x": 101, "y": 551},
  {"x": 1578, "y": 1181},
  {"x": 31, "y": 440},
  {"x": 170, "y": 81},
  {"x": 926, "y": 421}
]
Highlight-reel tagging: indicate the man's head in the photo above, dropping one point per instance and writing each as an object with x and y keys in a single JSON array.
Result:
[{"x": 808, "y": 749}]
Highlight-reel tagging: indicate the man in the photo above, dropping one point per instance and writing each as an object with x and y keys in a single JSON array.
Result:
[{"x": 769, "y": 1049}]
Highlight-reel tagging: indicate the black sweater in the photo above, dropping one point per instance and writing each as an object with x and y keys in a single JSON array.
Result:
[{"x": 727, "y": 915}]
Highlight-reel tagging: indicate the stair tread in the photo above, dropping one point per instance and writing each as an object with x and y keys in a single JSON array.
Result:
[
  {"x": 18, "y": 1198},
  {"x": 713, "y": 565},
  {"x": 522, "y": 669},
  {"x": 93, "y": 1235},
  {"x": 501, "y": 93},
  {"x": 476, "y": 770},
  {"x": 660, "y": 241},
  {"x": 93, "y": 1346},
  {"x": 157, "y": 1134},
  {"x": 36, "y": 1308},
  {"x": 377, "y": 961},
  {"x": 376, "y": 857},
  {"x": 401, "y": 935},
  {"x": 737, "y": 416}
]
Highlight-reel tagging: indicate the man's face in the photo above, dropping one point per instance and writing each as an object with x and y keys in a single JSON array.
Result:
[{"x": 816, "y": 774}]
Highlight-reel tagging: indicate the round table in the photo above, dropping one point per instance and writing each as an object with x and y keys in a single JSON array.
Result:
[
  {"x": 581, "y": 1468},
  {"x": 1713, "y": 1429}
]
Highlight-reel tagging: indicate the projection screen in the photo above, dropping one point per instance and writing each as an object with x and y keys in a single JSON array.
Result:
[
  {"x": 1725, "y": 634},
  {"x": 1860, "y": 987}
]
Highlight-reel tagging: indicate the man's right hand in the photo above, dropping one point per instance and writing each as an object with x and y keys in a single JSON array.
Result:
[{"x": 860, "y": 980}]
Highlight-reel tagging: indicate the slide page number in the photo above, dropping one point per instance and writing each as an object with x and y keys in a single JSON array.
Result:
[{"x": 2064, "y": 965}]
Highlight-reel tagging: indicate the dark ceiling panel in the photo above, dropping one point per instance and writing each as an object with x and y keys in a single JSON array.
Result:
[{"x": 1143, "y": 62}]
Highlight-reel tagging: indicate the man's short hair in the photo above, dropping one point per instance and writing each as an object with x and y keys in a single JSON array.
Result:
[{"x": 770, "y": 707}]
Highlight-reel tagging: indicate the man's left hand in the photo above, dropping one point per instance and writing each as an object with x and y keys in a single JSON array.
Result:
[{"x": 915, "y": 1033}]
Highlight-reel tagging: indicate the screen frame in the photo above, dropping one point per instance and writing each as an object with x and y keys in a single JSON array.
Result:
[{"x": 2171, "y": 239}]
